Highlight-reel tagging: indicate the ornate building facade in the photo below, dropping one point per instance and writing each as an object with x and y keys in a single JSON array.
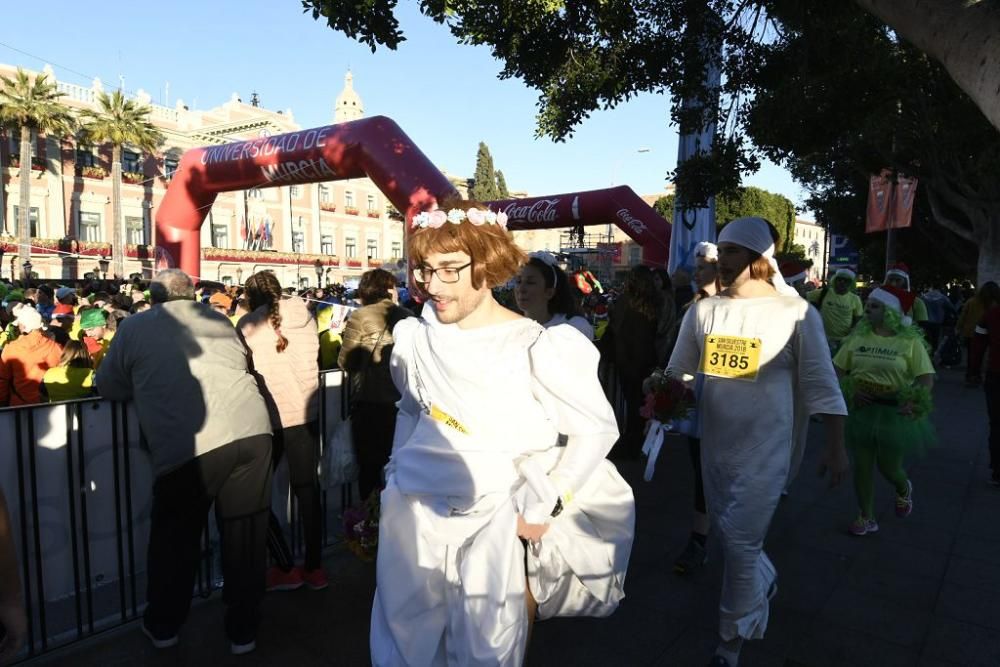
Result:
[{"x": 348, "y": 225}]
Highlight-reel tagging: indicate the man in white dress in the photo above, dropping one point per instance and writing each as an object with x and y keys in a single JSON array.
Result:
[{"x": 475, "y": 464}]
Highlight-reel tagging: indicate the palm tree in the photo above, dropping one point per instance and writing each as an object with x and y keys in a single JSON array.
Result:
[
  {"x": 118, "y": 122},
  {"x": 31, "y": 105}
]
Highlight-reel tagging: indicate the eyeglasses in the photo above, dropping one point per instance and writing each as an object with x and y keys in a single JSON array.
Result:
[{"x": 446, "y": 274}]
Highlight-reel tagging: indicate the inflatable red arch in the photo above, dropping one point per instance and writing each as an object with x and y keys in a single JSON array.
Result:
[{"x": 378, "y": 149}]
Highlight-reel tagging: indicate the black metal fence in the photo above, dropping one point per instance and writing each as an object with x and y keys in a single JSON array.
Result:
[{"x": 79, "y": 487}]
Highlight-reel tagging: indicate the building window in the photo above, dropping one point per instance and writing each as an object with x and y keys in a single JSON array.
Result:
[
  {"x": 348, "y": 199},
  {"x": 169, "y": 167},
  {"x": 397, "y": 249},
  {"x": 350, "y": 247},
  {"x": 326, "y": 244},
  {"x": 294, "y": 191},
  {"x": 634, "y": 255},
  {"x": 32, "y": 220},
  {"x": 130, "y": 161},
  {"x": 85, "y": 156},
  {"x": 324, "y": 193},
  {"x": 220, "y": 235},
  {"x": 371, "y": 249},
  {"x": 227, "y": 281},
  {"x": 298, "y": 241},
  {"x": 135, "y": 230},
  {"x": 255, "y": 193},
  {"x": 90, "y": 226},
  {"x": 371, "y": 204}
]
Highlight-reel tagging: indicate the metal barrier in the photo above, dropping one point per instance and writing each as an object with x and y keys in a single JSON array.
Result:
[{"x": 78, "y": 481}]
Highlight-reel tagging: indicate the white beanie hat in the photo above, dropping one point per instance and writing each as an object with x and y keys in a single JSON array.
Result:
[
  {"x": 755, "y": 234},
  {"x": 707, "y": 251}
]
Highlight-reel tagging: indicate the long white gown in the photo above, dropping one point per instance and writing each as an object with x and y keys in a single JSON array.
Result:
[
  {"x": 480, "y": 413},
  {"x": 747, "y": 431}
]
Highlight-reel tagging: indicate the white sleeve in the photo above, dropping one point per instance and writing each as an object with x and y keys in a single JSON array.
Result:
[
  {"x": 686, "y": 356},
  {"x": 565, "y": 382},
  {"x": 818, "y": 388},
  {"x": 399, "y": 369},
  {"x": 582, "y": 325}
]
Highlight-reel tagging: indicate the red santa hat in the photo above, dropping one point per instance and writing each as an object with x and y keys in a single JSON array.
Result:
[
  {"x": 901, "y": 270},
  {"x": 793, "y": 271},
  {"x": 899, "y": 300}
]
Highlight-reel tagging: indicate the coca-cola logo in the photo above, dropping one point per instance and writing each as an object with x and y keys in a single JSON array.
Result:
[
  {"x": 630, "y": 221},
  {"x": 542, "y": 210}
]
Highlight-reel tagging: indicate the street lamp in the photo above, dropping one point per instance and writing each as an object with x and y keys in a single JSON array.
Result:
[
  {"x": 318, "y": 264},
  {"x": 103, "y": 265},
  {"x": 27, "y": 269},
  {"x": 239, "y": 275}
]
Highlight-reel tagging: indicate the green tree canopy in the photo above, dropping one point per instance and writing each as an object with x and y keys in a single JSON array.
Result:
[
  {"x": 31, "y": 104},
  {"x": 484, "y": 184},
  {"x": 502, "y": 191},
  {"x": 120, "y": 122}
]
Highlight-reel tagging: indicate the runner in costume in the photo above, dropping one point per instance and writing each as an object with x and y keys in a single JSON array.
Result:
[
  {"x": 887, "y": 378},
  {"x": 475, "y": 466},
  {"x": 753, "y": 344}
]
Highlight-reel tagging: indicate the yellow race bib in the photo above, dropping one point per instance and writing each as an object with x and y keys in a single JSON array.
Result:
[
  {"x": 437, "y": 414},
  {"x": 733, "y": 357}
]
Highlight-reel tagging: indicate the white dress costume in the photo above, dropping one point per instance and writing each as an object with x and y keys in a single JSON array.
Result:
[
  {"x": 747, "y": 431},
  {"x": 475, "y": 446}
]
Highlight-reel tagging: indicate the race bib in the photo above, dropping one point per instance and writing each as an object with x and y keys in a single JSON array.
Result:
[
  {"x": 733, "y": 357},
  {"x": 437, "y": 414}
]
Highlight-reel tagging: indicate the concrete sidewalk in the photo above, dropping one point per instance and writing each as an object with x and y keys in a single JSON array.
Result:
[{"x": 923, "y": 591}]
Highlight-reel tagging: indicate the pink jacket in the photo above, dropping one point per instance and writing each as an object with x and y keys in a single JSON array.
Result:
[{"x": 288, "y": 380}]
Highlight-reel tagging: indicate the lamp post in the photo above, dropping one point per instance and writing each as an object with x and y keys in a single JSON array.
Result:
[
  {"x": 102, "y": 264},
  {"x": 239, "y": 275},
  {"x": 318, "y": 264},
  {"x": 27, "y": 270},
  {"x": 610, "y": 230}
]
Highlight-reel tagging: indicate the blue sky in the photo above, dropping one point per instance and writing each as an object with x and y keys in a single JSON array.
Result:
[{"x": 444, "y": 95}]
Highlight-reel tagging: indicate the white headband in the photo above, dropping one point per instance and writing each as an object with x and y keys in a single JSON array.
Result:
[
  {"x": 547, "y": 258},
  {"x": 754, "y": 234}
]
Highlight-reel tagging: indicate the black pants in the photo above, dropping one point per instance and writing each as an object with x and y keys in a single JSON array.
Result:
[
  {"x": 237, "y": 478},
  {"x": 991, "y": 384},
  {"x": 301, "y": 445},
  {"x": 629, "y": 445},
  {"x": 694, "y": 449},
  {"x": 372, "y": 428}
]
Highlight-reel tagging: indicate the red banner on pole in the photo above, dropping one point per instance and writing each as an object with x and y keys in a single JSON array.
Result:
[
  {"x": 904, "y": 196},
  {"x": 880, "y": 200}
]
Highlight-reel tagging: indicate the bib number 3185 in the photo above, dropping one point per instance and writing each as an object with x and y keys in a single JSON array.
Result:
[{"x": 733, "y": 357}]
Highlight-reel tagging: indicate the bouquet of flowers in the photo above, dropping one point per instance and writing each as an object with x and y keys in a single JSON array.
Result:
[
  {"x": 361, "y": 527},
  {"x": 667, "y": 400}
]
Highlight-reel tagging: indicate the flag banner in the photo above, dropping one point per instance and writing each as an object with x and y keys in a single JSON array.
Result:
[
  {"x": 904, "y": 196},
  {"x": 880, "y": 202}
]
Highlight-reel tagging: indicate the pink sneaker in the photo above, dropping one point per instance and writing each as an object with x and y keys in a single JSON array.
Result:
[
  {"x": 279, "y": 580},
  {"x": 904, "y": 503},
  {"x": 315, "y": 579},
  {"x": 862, "y": 526}
]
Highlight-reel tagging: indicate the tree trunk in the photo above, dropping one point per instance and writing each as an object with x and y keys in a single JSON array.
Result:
[
  {"x": 963, "y": 36},
  {"x": 117, "y": 245},
  {"x": 988, "y": 266},
  {"x": 24, "y": 207}
]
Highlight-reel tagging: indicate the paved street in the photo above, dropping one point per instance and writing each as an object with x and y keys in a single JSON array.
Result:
[{"x": 923, "y": 591}]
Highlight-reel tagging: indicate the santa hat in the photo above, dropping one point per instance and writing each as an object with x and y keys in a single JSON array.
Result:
[
  {"x": 901, "y": 270},
  {"x": 845, "y": 273},
  {"x": 793, "y": 271},
  {"x": 899, "y": 300}
]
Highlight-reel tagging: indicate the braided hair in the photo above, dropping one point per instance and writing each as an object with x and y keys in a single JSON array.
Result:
[{"x": 263, "y": 289}]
